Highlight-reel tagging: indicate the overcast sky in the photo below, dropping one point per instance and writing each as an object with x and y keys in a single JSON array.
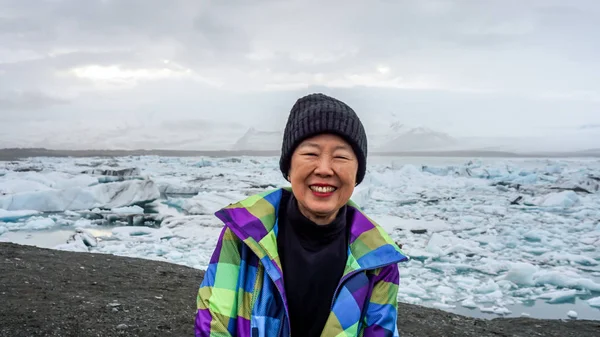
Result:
[{"x": 82, "y": 71}]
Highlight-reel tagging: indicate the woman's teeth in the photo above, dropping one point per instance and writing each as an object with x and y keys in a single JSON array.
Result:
[{"x": 323, "y": 189}]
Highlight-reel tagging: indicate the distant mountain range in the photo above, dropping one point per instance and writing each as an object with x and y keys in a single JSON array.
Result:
[
  {"x": 403, "y": 138},
  {"x": 385, "y": 136},
  {"x": 255, "y": 140},
  {"x": 399, "y": 137}
]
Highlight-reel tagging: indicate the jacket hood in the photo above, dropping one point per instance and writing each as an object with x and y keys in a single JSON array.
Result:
[{"x": 254, "y": 221}]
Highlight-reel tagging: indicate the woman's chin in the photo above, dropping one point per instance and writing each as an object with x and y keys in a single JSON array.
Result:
[{"x": 320, "y": 210}]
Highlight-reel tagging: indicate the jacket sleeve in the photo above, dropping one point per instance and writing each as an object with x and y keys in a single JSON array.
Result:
[
  {"x": 217, "y": 296},
  {"x": 381, "y": 316}
]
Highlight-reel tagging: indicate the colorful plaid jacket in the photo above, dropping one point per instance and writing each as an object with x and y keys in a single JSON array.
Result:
[{"x": 242, "y": 293}]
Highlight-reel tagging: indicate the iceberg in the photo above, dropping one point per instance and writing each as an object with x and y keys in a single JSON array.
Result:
[
  {"x": 521, "y": 273},
  {"x": 108, "y": 195},
  {"x": 564, "y": 199},
  {"x": 391, "y": 223},
  {"x": 594, "y": 302},
  {"x": 565, "y": 279},
  {"x": 559, "y": 296},
  {"x": 126, "y": 172},
  {"x": 12, "y": 216}
]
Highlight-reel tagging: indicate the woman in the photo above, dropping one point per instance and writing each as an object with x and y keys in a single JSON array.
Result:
[{"x": 304, "y": 261}]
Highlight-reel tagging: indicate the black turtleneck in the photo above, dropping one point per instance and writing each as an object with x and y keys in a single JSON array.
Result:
[{"x": 313, "y": 258}]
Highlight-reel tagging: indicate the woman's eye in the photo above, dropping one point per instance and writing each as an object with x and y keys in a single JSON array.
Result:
[{"x": 310, "y": 154}]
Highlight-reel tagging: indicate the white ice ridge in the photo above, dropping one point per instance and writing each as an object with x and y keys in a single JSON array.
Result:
[
  {"x": 480, "y": 234},
  {"x": 109, "y": 195}
]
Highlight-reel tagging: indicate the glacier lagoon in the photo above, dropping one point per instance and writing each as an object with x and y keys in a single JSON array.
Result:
[{"x": 486, "y": 237}]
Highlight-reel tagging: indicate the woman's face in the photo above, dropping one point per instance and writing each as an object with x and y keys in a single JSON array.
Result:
[{"x": 323, "y": 175}]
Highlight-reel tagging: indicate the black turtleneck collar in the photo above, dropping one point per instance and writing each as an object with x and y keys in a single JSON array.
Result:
[{"x": 310, "y": 233}]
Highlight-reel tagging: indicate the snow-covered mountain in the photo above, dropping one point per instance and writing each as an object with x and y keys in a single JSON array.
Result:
[
  {"x": 400, "y": 137},
  {"x": 257, "y": 140}
]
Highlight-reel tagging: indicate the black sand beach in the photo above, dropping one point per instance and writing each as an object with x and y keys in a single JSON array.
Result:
[{"x": 55, "y": 293}]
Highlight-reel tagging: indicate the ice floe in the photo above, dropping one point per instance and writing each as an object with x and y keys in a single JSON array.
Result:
[{"x": 110, "y": 195}]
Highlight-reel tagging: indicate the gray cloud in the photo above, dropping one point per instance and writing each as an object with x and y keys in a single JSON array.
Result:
[{"x": 461, "y": 66}]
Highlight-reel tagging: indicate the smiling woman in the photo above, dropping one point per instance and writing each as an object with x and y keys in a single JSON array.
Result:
[{"x": 305, "y": 260}]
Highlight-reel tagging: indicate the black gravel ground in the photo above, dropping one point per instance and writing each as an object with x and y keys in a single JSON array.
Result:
[{"x": 54, "y": 293}]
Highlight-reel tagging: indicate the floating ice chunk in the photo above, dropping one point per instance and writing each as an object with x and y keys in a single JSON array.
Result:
[
  {"x": 535, "y": 250},
  {"x": 536, "y": 235},
  {"x": 564, "y": 199},
  {"x": 442, "y": 245},
  {"x": 502, "y": 311},
  {"x": 455, "y": 267},
  {"x": 125, "y": 172},
  {"x": 411, "y": 300},
  {"x": 565, "y": 279},
  {"x": 34, "y": 181},
  {"x": 133, "y": 231},
  {"x": 135, "y": 209},
  {"x": 10, "y": 216},
  {"x": 553, "y": 169},
  {"x": 445, "y": 290},
  {"x": 488, "y": 287},
  {"x": 588, "y": 183},
  {"x": 176, "y": 185},
  {"x": 210, "y": 202},
  {"x": 439, "y": 171},
  {"x": 526, "y": 179},
  {"x": 469, "y": 303},
  {"x": 492, "y": 210},
  {"x": 495, "y": 310},
  {"x": 204, "y": 163},
  {"x": 594, "y": 302},
  {"x": 589, "y": 240},
  {"x": 104, "y": 195},
  {"x": 84, "y": 236},
  {"x": 19, "y": 185},
  {"x": 572, "y": 314},
  {"x": 191, "y": 221},
  {"x": 521, "y": 273},
  {"x": 567, "y": 258},
  {"x": 391, "y": 223},
  {"x": 555, "y": 243},
  {"x": 465, "y": 282},
  {"x": 2, "y": 229},
  {"x": 490, "y": 297},
  {"x": 487, "y": 310},
  {"x": 414, "y": 290},
  {"x": 38, "y": 224},
  {"x": 81, "y": 241},
  {"x": 559, "y": 296},
  {"x": 74, "y": 246},
  {"x": 410, "y": 170}
]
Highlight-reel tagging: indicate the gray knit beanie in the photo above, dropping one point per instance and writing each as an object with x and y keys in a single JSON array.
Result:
[{"x": 317, "y": 114}]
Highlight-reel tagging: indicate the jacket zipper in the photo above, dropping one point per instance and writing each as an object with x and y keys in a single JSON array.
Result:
[{"x": 287, "y": 315}]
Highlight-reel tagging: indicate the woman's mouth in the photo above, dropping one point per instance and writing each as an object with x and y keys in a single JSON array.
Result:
[{"x": 321, "y": 190}]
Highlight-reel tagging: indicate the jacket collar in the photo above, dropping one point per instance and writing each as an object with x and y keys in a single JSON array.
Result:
[{"x": 254, "y": 221}]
